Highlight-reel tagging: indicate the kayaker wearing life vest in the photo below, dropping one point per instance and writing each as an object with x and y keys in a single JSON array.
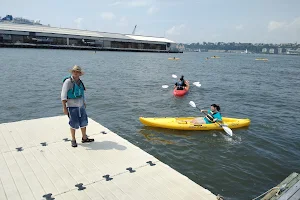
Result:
[
  {"x": 73, "y": 102},
  {"x": 212, "y": 115},
  {"x": 181, "y": 84}
]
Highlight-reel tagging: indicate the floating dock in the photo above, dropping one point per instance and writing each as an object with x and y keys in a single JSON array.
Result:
[
  {"x": 288, "y": 189},
  {"x": 38, "y": 162}
]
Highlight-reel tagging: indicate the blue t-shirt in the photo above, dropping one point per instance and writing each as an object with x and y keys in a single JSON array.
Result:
[{"x": 215, "y": 116}]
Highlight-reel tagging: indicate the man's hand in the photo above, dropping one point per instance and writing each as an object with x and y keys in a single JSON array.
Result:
[{"x": 65, "y": 111}]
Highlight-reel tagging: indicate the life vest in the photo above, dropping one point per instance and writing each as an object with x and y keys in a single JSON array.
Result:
[
  {"x": 77, "y": 91},
  {"x": 180, "y": 85},
  {"x": 210, "y": 116}
]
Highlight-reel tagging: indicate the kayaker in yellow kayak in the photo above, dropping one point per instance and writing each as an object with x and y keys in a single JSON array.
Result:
[
  {"x": 212, "y": 115},
  {"x": 181, "y": 84}
]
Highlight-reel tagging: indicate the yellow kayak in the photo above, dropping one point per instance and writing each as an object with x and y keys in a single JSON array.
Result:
[
  {"x": 182, "y": 124},
  {"x": 215, "y": 57},
  {"x": 173, "y": 58}
]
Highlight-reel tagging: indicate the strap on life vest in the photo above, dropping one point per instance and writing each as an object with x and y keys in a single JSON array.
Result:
[
  {"x": 210, "y": 117},
  {"x": 70, "y": 77},
  {"x": 81, "y": 83}
]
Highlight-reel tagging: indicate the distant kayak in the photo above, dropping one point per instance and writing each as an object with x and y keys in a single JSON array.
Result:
[
  {"x": 181, "y": 124},
  {"x": 180, "y": 93},
  {"x": 263, "y": 59},
  {"x": 215, "y": 57},
  {"x": 173, "y": 58}
]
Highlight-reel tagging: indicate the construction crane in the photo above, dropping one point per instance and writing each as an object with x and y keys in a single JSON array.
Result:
[{"x": 133, "y": 32}]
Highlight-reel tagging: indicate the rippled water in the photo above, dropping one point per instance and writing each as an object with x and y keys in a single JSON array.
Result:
[{"x": 123, "y": 86}]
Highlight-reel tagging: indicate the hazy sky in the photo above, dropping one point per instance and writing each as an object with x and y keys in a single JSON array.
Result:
[{"x": 267, "y": 21}]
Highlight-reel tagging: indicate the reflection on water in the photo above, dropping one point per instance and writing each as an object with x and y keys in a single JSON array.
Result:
[
  {"x": 169, "y": 136},
  {"x": 154, "y": 138},
  {"x": 169, "y": 131}
]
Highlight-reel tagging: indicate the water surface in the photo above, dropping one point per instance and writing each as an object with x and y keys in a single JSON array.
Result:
[{"x": 121, "y": 87}]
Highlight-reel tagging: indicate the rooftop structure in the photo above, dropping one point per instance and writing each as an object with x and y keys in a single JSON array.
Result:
[{"x": 19, "y": 20}]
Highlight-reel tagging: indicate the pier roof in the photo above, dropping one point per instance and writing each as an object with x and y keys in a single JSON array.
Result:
[{"x": 78, "y": 32}]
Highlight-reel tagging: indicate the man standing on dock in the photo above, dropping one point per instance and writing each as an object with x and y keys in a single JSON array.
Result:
[{"x": 74, "y": 104}]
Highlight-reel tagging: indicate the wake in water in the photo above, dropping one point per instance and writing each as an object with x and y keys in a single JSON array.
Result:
[{"x": 235, "y": 139}]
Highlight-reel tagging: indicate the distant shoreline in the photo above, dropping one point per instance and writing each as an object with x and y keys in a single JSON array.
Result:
[
  {"x": 238, "y": 52},
  {"x": 68, "y": 47}
]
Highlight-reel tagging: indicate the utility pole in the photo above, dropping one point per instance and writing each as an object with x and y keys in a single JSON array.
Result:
[{"x": 133, "y": 32}]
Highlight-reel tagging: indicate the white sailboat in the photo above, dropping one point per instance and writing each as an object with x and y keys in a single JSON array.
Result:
[{"x": 246, "y": 51}]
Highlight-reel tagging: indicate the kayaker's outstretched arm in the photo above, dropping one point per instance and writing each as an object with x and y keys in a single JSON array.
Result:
[
  {"x": 175, "y": 85},
  {"x": 203, "y": 111}
]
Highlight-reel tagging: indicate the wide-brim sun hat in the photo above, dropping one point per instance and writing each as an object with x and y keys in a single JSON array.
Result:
[{"x": 77, "y": 69}]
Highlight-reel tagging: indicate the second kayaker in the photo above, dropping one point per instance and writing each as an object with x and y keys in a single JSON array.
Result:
[{"x": 181, "y": 84}]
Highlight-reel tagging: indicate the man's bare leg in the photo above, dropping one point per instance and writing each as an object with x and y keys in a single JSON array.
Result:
[
  {"x": 73, "y": 133},
  {"x": 83, "y": 131}
]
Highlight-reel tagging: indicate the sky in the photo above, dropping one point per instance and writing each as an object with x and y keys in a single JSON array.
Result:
[{"x": 255, "y": 21}]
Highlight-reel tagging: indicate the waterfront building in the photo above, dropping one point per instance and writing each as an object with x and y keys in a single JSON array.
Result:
[{"x": 35, "y": 35}]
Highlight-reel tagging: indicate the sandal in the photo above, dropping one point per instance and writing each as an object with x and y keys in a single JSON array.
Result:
[
  {"x": 74, "y": 143},
  {"x": 87, "y": 140}
]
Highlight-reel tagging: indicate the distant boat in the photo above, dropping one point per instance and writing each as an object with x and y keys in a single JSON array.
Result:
[
  {"x": 173, "y": 58},
  {"x": 245, "y": 52},
  {"x": 263, "y": 59},
  {"x": 215, "y": 57}
]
